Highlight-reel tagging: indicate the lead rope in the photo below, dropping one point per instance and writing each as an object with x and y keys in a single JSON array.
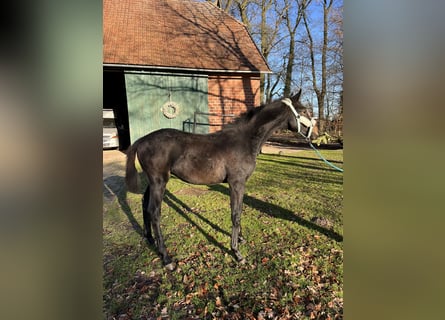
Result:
[
  {"x": 323, "y": 158},
  {"x": 288, "y": 102}
]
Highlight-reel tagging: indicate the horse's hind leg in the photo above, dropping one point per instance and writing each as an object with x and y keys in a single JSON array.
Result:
[
  {"x": 241, "y": 239},
  {"x": 236, "y": 205},
  {"x": 146, "y": 215},
  {"x": 154, "y": 208}
]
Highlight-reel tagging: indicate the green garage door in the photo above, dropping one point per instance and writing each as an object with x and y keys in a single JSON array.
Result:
[{"x": 164, "y": 100}]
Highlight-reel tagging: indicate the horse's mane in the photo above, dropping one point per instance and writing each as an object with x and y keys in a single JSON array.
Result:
[{"x": 245, "y": 117}]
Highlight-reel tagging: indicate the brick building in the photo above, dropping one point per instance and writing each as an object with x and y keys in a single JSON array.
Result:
[{"x": 170, "y": 63}]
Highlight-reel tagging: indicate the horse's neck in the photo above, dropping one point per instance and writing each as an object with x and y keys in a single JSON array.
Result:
[{"x": 262, "y": 128}]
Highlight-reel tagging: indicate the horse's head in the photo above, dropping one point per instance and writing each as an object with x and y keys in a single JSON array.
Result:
[{"x": 301, "y": 120}]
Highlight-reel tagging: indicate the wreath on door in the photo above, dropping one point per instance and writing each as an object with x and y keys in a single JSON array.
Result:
[{"x": 170, "y": 109}]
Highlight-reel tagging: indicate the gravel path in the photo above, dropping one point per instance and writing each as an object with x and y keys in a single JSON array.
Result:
[{"x": 113, "y": 174}]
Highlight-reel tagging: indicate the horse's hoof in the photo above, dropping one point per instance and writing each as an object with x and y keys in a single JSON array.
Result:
[
  {"x": 239, "y": 257},
  {"x": 149, "y": 240},
  {"x": 171, "y": 266}
]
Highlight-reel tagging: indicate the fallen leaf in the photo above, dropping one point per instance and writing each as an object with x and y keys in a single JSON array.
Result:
[
  {"x": 261, "y": 315},
  {"x": 202, "y": 290}
]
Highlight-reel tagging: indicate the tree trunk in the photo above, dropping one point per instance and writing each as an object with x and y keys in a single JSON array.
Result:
[
  {"x": 326, "y": 9},
  {"x": 292, "y": 29},
  {"x": 320, "y": 92},
  {"x": 264, "y": 45},
  {"x": 289, "y": 67}
]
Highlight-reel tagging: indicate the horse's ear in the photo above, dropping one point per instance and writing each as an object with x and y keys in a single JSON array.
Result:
[{"x": 296, "y": 97}]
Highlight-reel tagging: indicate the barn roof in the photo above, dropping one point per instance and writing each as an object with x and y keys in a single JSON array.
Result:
[{"x": 177, "y": 33}]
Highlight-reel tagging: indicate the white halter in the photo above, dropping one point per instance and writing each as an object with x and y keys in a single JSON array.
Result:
[{"x": 309, "y": 123}]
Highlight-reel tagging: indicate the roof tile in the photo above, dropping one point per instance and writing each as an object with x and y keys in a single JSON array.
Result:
[{"x": 177, "y": 33}]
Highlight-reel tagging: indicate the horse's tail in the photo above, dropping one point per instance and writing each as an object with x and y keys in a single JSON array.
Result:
[{"x": 131, "y": 174}]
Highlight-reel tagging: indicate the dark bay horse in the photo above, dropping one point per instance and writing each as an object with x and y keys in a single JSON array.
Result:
[{"x": 228, "y": 156}]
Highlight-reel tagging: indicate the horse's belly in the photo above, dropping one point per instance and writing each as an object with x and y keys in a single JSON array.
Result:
[{"x": 200, "y": 170}]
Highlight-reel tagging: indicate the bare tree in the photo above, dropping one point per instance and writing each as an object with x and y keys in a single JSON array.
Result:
[
  {"x": 223, "y": 4},
  {"x": 255, "y": 14},
  {"x": 292, "y": 22},
  {"x": 335, "y": 70},
  {"x": 320, "y": 89},
  {"x": 300, "y": 52},
  {"x": 242, "y": 6}
]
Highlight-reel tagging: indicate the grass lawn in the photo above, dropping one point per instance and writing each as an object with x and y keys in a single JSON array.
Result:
[{"x": 292, "y": 221}]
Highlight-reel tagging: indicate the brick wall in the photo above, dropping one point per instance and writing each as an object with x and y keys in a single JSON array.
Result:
[{"x": 231, "y": 94}]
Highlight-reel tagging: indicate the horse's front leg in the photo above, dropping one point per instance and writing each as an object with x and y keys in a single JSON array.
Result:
[{"x": 236, "y": 205}]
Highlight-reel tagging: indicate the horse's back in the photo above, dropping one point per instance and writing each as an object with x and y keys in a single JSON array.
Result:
[{"x": 160, "y": 139}]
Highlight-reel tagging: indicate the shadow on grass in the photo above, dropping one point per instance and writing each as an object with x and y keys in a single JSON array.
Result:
[
  {"x": 324, "y": 173},
  {"x": 281, "y": 159},
  {"x": 281, "y": 213},
  {"x": 115, "y": 187},
  {"x": 176, "y": 204},
  {"x": 314, "y": 158}
]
